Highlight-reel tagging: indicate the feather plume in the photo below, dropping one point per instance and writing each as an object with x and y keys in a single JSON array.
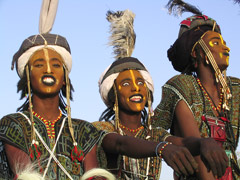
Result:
[
  {"x": 47, "y": 15},
  {"x": 28, "y": 172},
  {"x": 177, "y": 7},
  {"x": 98, "y": 172},
  {"x": 122, "y": 33},
  {"x": 237, "y": 1}
]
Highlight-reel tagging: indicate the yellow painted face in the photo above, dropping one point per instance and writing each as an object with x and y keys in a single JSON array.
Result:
[
  {"x": 46, "y": 72},
  {"x": 132, "y": 91},
  {"x": 218, "y": 47}
]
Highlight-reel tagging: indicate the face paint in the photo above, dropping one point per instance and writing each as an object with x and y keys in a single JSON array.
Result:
[
  {"x": 218, "y": 48},
  {"x": 47, "y": 74},
  {"x": 47, "y": 60},
  {"x": 134, "y": 80},
  {"x": 132, "y": 91}
]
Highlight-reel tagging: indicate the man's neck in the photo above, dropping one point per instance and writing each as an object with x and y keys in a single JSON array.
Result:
[
  {"x": 48, "y": 107},
  {"x": 130, "y": 120}
]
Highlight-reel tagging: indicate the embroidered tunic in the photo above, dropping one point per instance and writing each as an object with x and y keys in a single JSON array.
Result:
[
  {"x": 16, "y": 131},
  {"x": 130, "y": 168},
  {"x": 186, "y": 88}
]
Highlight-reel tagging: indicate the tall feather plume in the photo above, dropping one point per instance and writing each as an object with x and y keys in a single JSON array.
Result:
[
  {"x": 122, "y": 33},
  {"x": 47, "y": 15},
  {"x": 177, "y": 7}
]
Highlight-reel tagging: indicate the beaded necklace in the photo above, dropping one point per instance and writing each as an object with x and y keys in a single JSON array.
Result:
[
  {"x": 49, "y": 124},
  {"x": 214, "y": 107},
  {"x": 129, "y": 129}
]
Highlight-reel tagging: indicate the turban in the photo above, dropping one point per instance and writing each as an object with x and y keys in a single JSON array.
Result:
[
  {"x": 37, "y": 42},
  {"x": 190, "y": 32},
  {"x": 108, "y": 77}
]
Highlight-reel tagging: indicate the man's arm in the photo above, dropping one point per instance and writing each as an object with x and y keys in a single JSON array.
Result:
[
  {"x": 90, "y": 160},
  {"x": 17, "y": 158},
  {"x": 213, "y": 156},
  {"x": 179, "y": 158}
]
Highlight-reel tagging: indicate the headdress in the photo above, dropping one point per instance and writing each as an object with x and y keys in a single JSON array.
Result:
[
  {"x": 191, "y": 32},
  {"x": 60, "y": 45},
  {"x": 123, "y": 40}
]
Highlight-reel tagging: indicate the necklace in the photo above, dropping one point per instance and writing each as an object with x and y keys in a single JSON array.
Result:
[
  {"x": 129, "y": 129},
  {"x": 49, "y": 124},
  {"x": 214, "y": 107}
]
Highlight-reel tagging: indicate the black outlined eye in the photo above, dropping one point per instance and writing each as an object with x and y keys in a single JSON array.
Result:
[
  {"x": 140, "y": 83},
  {"x": 56, "y": 65},
  {"x": 38, "y": 65},
  {"x": 125, "y": 84}
]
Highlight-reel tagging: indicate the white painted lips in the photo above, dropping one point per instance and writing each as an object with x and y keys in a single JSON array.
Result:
[{"x": 48, "y": 80}]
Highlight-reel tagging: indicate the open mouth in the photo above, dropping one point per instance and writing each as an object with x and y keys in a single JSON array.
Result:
[
  {"x": 136, "y": 98},
  {"x": 48, "y": 80}
]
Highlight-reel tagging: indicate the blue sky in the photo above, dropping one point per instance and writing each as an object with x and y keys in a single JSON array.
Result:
[{"x": 84, "y": 24}]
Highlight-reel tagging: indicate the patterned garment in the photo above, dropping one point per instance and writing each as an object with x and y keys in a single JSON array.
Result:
[
  {"x": 15, "y": 130},
  {"x": 130, "y": 168},
  {"x": 4, "y": 169},
  {"x": 186, "y": 88}
]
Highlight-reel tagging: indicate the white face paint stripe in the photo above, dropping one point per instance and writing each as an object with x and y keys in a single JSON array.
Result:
[{"x": 47, "y": 59}]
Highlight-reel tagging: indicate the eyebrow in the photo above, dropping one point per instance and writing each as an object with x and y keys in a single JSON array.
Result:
[
  {"x": 126, "y": 79},
  {"x": 55, "y": 59},
  {"x": 215, "y": 38},
  {"x": 129, "y": 79},
  {"x": 40, "y": 59}
]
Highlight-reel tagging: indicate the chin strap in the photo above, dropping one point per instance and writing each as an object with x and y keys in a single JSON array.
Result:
[{"x": 219, "y": 76}]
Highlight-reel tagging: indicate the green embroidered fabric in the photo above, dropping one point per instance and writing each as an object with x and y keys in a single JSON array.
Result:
[
  {"x": 185, "y": 87},
  {"x": 16, "y": 131},
  {"x": 133, "y": 168}
]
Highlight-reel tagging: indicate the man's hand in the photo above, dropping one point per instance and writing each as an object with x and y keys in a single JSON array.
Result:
[
  {"x": 213, "y": 156},
  {"x": 180, "y": 159}
]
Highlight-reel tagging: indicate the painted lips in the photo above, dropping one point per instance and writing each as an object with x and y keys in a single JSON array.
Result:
[
  {"x": 226, "y": 54},
  {"x": 48, "y": 80},
  {"x": 136, "y": 98}
]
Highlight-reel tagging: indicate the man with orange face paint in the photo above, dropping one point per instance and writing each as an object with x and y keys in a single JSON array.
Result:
[
  {"x": 126, "y": 87},
  {"x": 61, "y": 147},
  {"x": 202, "y": 102}
]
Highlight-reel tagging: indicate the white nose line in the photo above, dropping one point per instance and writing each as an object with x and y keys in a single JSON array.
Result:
[{"x": 47, "y": 59}]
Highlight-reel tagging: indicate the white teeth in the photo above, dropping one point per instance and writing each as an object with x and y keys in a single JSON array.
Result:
[
  {"x": 48, "y": 80},
  {"x": 136, "y": 98}
]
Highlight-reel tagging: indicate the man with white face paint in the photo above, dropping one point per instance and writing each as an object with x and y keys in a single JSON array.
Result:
[
  {"x": 61, "y": 147},
  {"x": 42, "y": 135}
]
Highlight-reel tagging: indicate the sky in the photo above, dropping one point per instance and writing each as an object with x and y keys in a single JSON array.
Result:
[{"x": 84, "y": 24}]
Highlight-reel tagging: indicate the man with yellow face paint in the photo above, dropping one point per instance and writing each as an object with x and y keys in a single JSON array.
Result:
[
  {"x": 41, "y": 140},
  {"x": 126, "y": 88},
  {"x": 61, "y": 147},
  {"x": 202, "y": 101}
]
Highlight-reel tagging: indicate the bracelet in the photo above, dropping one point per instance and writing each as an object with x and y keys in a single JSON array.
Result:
[
  {"x": 162, "y": 148},
  {"x": 156, "y": 149}
]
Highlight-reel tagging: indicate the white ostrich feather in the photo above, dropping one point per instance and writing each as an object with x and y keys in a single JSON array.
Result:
[
  {"x": 47, "y": 15},
  {"x": 28, "y": 173},
  {"x": 122, "y": 33},
  {"x": 98, "y": 172}
]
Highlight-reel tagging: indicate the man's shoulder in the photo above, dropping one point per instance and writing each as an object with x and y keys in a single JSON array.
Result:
[
  {"x": 185, "y": 83},
  {"x": 13, "y": 117},
  {"x": 103, "y": 125},
  {"x": 234, "y": 81},
  {"x": 180, "y": 79}
]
